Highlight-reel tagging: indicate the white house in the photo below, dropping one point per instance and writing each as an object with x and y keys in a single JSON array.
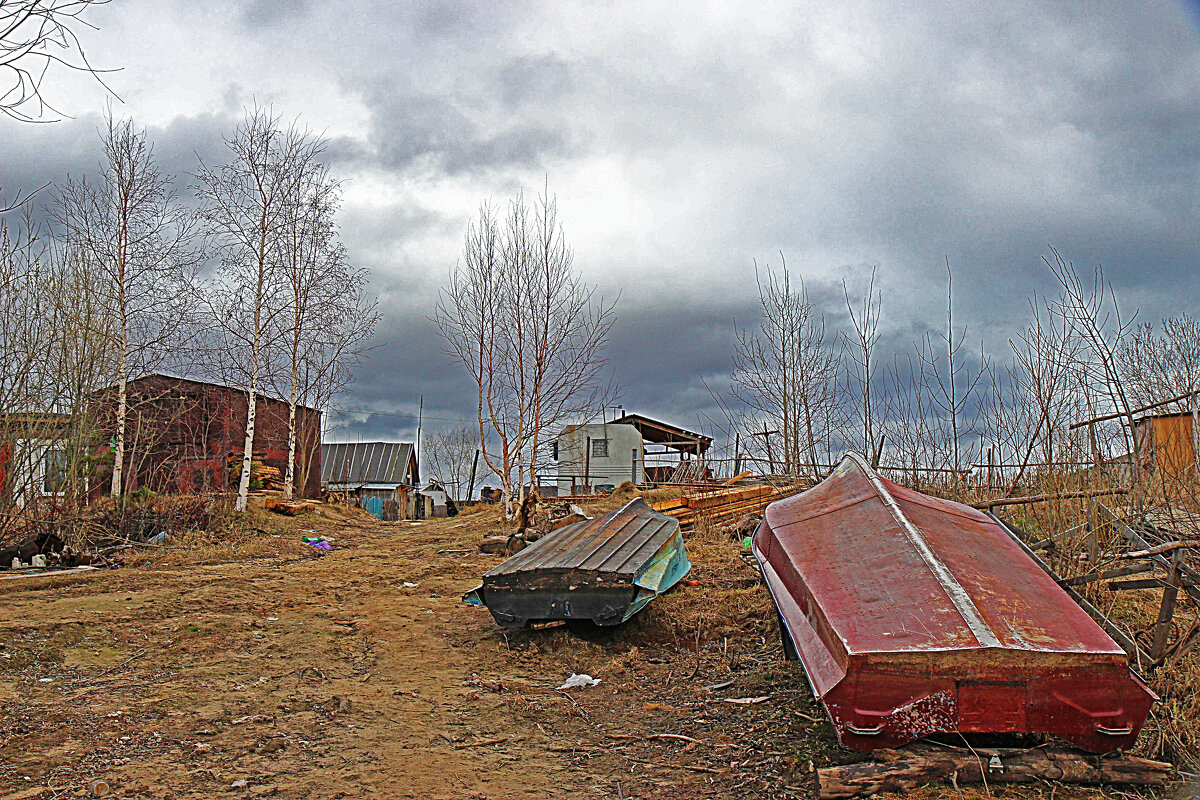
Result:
[
  {"x": 598, "y": 454},
  {"x": 603, "y": 454}
]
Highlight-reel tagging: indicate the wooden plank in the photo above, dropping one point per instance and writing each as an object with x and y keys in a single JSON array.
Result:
[
  {"x": 1092, "y": 577},
  {"x": 1144, "y": 583},
  {"x": 1166, "y": 611}
]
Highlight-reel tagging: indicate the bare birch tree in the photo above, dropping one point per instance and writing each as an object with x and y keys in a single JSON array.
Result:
[
  {"x": 786, "y": 371},
  {"x": 329, "y": 317},
  {"x": 449, "y": 457},
  {"x": 246, "y": 206},
  {"x": 139, "y": 239},
  {"x": 529, "y": 331},
  {"x": 861, "y": 348}
]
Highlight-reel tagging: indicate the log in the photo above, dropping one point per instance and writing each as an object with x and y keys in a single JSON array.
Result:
[
  {"x": 906, "y": 769},
  {"x": 1166, "y": 547},
  {"x": 1042, "y": 498},
  {"x": 291, "y": 509}
]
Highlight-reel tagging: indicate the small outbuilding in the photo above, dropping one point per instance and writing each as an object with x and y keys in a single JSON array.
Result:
[
  {"x": 1168, "y": 443},
  {"x": 599, "y": 455},
  {"x": 381, "y": 476},
  {"x": 33, "y": 458}
]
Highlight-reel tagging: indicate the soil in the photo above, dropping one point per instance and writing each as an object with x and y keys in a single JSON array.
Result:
[{"x": 361, "y": 673}]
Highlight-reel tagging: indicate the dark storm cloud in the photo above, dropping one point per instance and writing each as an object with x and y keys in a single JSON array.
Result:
[
  {"x": 885, "y": 134},
  {"x": 437, "y": 132}
]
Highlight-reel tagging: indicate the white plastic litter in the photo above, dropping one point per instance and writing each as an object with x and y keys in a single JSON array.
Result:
[
  {"x": 578, "y": 681},
  {"x": 408, "y": 585},
  {"x": 38, "y": 560}
]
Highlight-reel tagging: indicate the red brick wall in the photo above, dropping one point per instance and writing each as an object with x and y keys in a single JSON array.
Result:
[{"x": 180, "y": 434}]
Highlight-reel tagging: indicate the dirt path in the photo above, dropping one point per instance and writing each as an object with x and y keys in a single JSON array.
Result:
[{"x": 334, "y": 677}]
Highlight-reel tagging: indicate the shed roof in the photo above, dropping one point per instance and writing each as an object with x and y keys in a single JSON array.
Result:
[
  {"x": 366, "y": 462},
  {"x": 665, "y": 433}
]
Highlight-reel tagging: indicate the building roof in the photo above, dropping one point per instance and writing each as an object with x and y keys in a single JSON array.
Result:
[
  {"x": 666, "y": 434},
  {"x": 193, "y": 382},
  {"x": 1164, "y": 415},
  {"x": 358, "y": 463}
]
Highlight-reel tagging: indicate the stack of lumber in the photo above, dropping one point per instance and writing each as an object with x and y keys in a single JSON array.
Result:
[{"x": 723, "y": 505}]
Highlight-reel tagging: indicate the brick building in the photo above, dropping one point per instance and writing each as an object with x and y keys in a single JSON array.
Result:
[{"x": 181, "y": 434}]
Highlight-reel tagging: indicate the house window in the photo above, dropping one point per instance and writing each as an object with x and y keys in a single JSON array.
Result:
[
  {"x": 54, "y": 471},
  {"x": 599, "y": 448},
  {"x": 554, "y": 450}
]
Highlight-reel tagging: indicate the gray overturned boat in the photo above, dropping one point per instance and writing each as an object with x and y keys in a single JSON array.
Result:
[{"x": 604, "y": 570}]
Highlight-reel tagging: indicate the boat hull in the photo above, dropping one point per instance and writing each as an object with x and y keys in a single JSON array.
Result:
[
  {"x": 903, "y": 634},
  {"x": 604, "y": 571}
]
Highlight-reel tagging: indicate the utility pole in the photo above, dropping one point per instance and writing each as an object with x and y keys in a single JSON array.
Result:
[
  {"x": 471, "y": 485},
  {"x": 420, "y": 416},
  {"x": 766, "y": 434}
]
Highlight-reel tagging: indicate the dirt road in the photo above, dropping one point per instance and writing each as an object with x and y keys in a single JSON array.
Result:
[{"x": 362, "y": 674}]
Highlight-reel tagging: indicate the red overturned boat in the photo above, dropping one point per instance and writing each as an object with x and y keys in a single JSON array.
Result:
[{"x": 915, "y": 615}]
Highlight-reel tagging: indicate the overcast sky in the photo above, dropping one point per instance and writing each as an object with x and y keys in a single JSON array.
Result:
[{"x": 683, "y": 141}]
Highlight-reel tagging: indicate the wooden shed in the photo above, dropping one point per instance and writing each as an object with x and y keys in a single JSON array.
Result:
[
  {"x": 381, "y": 476},
  {"x": 1167, "y": 443}
]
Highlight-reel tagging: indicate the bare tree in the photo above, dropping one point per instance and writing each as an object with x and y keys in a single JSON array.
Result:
[
  {"x": 449, "y": 457},
  {"x": 247, "y": 205},
  {"x": 914, "y": 440},
  {"x": 1091, "y": 310},
  {"x": 329, "y": 318},
  {"x": 861, "y": 347},
  {"x": 786, "y": 372},
  {"x": 949, "y": 383},
  {"x": 138, "y": 238},
  {"x": 530, "y": 332},
  {"x": 53, "y": 355},
  {"x": 36, "y": 35},
  {"x": 1165, "y": 362},
  {"x": 1032, "y": 400}
]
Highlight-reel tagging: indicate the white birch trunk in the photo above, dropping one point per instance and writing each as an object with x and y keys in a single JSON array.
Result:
[
  {"x": 290, "y": 479},
  {"x": 122, "y": 410},
  {"x": 248, "y": 449}
]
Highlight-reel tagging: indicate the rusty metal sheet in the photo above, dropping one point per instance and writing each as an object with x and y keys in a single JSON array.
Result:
[
  {"x": 604, "y": 570},
  {"x": 915, "y": 615}
]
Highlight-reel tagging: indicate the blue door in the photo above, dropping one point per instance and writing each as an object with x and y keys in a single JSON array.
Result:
[{"x": 375, "y": 506}]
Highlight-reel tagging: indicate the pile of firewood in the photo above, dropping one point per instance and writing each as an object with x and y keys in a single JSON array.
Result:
[{"x": 269, "y": 477}]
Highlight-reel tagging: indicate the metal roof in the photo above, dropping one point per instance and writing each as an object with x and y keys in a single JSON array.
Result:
[
  {"x": 621, "y": 542},
  {"x": 356, "y": 463}
]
